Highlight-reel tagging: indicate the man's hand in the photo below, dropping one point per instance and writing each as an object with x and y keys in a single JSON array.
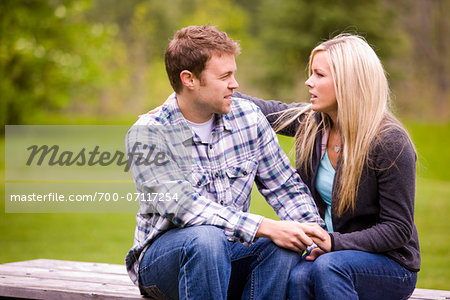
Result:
[{"x": 290, "y": 234}]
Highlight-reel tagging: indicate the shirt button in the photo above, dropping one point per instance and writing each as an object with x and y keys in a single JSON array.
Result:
[
  {"x": 245, "y": 173},
  {"x": 217, "y": 175},
  {"x": 199, "y": 183},
  {"x": 241, "y": 240}
]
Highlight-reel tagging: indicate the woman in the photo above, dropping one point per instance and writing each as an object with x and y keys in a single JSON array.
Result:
[{"x": 359, "y": 164}]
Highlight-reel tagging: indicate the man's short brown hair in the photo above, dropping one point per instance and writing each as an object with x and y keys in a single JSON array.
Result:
[{"x": 192, "y": 47}]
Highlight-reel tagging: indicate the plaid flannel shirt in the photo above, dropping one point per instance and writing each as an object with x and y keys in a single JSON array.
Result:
[{"x": 212, "y": 180}]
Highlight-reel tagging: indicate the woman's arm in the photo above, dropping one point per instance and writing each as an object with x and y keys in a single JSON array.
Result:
[
  {"x": 394, "y": 162},
  {"x": 272, "y": 110}
]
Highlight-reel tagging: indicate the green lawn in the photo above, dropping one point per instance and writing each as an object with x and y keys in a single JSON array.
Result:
[{"x": 107, "y": 237}]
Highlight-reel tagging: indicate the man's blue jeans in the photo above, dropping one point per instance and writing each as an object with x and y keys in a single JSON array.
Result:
[
  {"x": 351, "y": 274},
  {"x": 200, "y": 263}
]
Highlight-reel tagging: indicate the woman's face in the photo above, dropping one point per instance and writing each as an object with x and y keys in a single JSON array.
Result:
[{"x": 321, "y": 85}]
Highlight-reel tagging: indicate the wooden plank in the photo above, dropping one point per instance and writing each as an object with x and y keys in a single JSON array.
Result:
[
  {"x": 71, "y": 265},
  {"x": 119, "y": 279},
  {"x": 57, "y": 279},
  {"x": 421, "y": 294},
  {"x": 41, "y": 288}
]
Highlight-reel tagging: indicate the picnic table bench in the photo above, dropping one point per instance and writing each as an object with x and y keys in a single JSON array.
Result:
[{"x": 59, "y": 279}]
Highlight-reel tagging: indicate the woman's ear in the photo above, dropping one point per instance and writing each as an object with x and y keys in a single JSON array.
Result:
[{"x": 187, "y": 78}]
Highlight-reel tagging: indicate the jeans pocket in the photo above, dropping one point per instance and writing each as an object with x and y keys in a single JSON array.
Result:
[{"x": 152, "y": 292}]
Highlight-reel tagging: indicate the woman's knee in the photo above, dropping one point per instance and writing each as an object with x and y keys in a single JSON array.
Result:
[
  {"x": 332, "y": 267},
  {"x": 323, "y": 263}
]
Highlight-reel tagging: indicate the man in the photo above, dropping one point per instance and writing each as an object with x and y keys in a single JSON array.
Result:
[{"x": 200, "y": 241}]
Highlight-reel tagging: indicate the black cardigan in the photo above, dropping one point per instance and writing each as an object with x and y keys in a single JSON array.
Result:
[{"x": 383, "y": 218}]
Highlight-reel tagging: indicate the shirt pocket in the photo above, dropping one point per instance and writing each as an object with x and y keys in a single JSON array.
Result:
[
  {"x": 200, "y": 180},
  {"x": 241, "y": 178}
]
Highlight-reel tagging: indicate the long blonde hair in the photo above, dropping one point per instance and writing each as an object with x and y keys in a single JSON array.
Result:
[{"x": 362, "y": 94}]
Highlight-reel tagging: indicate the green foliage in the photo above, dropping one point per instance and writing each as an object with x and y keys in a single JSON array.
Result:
[
  {"x": 105, "y": 57},
  {"x": 146, "y": 28},
  {"x": 50, "y": 57},
  {"x": 289, "y": 30}
]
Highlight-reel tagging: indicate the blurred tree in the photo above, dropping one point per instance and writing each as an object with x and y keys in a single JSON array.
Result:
[
  {"x": 288, "y": 30},
  {"x": 105, "y": 57},
  {"x": 50, "y": 56},
  {"x": 146, "y": 28},
  {"x": 427, "y": 64}
]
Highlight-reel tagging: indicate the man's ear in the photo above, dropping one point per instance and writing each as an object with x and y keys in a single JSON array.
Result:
[{"x": 188, "y": 79}]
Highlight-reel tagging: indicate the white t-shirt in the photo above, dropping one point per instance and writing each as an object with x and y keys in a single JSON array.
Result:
[{"x": 203, "y": 130}]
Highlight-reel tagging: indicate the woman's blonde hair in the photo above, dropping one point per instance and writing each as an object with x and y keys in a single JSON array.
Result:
[{"x": 362, "y": 94}]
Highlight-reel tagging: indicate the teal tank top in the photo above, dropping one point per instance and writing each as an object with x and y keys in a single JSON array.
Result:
[{"x": 324, "y": 185}]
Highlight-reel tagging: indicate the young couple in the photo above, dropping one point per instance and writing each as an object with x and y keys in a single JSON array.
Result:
[{"x": 355, "y": 170}]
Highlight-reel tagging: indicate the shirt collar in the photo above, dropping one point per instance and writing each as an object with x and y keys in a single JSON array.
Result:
[{"x": 223, "y": 123}]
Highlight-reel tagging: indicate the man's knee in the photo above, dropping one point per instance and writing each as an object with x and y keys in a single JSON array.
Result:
[
  {"x": 283, "y": 257},
  {"x": 300, "y": 274},
  {"x": 206, "y": 236},
  {"x": 286, "y": 257},
  {"x": 206, "y": 241},
  {"x": 188, "y": 253}
]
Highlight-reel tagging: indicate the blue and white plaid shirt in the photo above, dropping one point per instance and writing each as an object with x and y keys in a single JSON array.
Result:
[{"x": 212, "y": 181}]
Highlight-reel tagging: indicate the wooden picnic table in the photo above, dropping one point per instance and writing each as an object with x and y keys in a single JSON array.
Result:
[{"x": 60, "y": 279}]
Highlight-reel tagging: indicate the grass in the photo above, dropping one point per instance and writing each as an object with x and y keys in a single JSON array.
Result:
[
  {"x": 432, "y": 208},
  {"x": 432, "y": 202},
  {"x": 108, "y": 237}
]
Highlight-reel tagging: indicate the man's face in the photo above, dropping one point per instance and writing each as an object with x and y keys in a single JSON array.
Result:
[{"x": 214, "y": 89}]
